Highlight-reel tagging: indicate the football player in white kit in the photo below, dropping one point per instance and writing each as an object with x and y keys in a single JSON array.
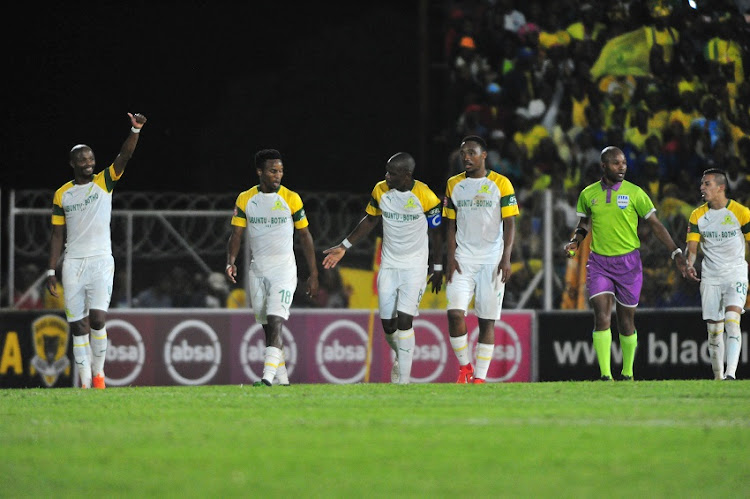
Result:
[
  {"x": 411, "y": 215},
  {"x": 722, "y": 227},
  {"x": 83, "y": 209},
  {"x": 479, "y": 213},
  {"x": 271, "y": 213}
]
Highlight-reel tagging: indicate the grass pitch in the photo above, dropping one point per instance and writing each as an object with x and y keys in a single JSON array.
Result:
[{"x": 570, "y": 439}]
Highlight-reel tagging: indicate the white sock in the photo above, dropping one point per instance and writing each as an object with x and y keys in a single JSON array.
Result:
[
  {"x": 460, "y": 346},
  {"x": 734, "y": 342},
  {"x": 281, "y": 373},
  {"x": 716, "y": 348},
  {"x": 406, "y": 344},
  {"x": 81, "y": 356},
  {"x": 98, "y": 350},
  {"x": 392, "y": 340},
  {"x": 271, "y": 365},
  {"x": 484, "y": 357}
]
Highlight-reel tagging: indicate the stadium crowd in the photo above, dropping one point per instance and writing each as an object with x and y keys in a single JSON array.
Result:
[{"x": 550, "y": 84}]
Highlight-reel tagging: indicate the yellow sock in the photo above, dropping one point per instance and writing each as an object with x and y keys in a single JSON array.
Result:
[
  {"x": 602, "y": 345},
  {"x": 628, "y": 345}
]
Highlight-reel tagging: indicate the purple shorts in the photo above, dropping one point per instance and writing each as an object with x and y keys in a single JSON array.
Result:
[{"x": 620, "y": 275}]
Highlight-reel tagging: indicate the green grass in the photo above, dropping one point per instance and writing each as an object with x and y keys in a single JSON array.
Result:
[{"x": 574, "y": 439}]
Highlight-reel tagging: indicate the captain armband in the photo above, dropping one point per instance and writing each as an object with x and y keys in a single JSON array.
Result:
[{"x": 434, "y": 220}]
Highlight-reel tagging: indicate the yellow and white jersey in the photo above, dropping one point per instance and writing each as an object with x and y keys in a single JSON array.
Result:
[
  {"x": 722, "y": 235},
  {"x": 478, "y": 205},
  {"x": 406, "y": 217},
  {"x": 270, "y": 219},
  {"x": 86, "y": 210}
]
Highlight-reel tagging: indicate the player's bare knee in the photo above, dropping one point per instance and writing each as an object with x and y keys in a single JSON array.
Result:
[
  {"x": 97, "y": 324},
  {"x": 455, "y": 315},
  {"x": 602, "y": 322}
]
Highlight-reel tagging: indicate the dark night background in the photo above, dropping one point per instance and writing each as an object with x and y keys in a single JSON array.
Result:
[{"x": 333, "y": 86}]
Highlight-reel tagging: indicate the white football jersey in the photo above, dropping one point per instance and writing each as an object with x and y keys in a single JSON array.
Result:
[
  {"x": 406, "y": 216},
  {"x": 270, "y": 219},
  {"x": 86, "y": 211},
  {"x": 722, "y": 235},
  {"x": 479, "y": 205}
]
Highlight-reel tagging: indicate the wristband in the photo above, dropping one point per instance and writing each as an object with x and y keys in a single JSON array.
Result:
[
  {"x": 229, "y": 265},
  {"x": 676, "y": 252},
  {"x": 437, "y": 267},
  {"x": 50, "y": 272},
  {"x": 346, "y": 244},
  {"x": 135, "y": 130}
]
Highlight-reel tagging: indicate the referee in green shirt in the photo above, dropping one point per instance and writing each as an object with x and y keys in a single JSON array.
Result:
[{"x": 610, "y": 209}]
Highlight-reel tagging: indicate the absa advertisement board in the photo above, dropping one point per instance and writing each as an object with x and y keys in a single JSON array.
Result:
[{"x": 200, "y": 347}]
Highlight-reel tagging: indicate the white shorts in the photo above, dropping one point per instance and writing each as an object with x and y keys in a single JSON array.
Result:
[
  {"x": 400, "y": 290},
  {"x": 480, "y": 281},
  {"x": 715, "y": 298},
  {"x": 272, "y": 293},
  {"x": 87, "y": 284}
]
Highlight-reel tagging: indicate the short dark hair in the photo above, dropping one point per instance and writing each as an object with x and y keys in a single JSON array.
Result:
[
  {"x": 264, "y": 155},
  {"x": 476, "y": 138},
  {"x": 609, "y": 152},
  {"x": 78, "y": 149},
  {"x": 720, "y": 176},
  {"x": 403, "y": 160}
]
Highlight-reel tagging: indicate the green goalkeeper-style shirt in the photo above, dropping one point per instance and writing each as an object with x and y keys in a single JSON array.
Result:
[{"x": 614, "y": 216}]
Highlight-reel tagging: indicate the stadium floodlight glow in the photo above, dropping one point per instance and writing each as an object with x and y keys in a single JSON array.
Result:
[{"x": 692, "y": 4}]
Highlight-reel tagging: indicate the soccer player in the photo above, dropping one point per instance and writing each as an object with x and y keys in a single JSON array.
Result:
[
  {"x": 271, "y": 212},
  {"x": 722, "y": 227},
  {"x": 83, "y": 206},
  {"x": 609, "y": 209},
  {"x": 479, "y": 211},
  {"x": 408, "y": 209}
]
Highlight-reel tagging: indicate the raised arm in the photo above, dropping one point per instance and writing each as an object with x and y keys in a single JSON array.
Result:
[
  {"x": 128, "y": 147},
  {"x": 336, "y": 253}
]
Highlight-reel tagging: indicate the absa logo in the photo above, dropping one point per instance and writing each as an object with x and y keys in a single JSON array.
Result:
[
  {"x": 341, "y": 352},
  {"x": 125, "y": 353},
  {"x": 253, "y": 351},
  {"x": 430, "y": 354},
  {"x": 507, "y": 355},
  {"x": 192, "y": 353}
]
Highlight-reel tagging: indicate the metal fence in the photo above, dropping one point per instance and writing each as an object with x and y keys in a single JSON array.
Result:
[{"x": 156, "y": 231}]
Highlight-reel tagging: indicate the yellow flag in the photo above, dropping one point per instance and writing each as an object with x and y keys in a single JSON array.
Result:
[{"x": 627, "y": 54}]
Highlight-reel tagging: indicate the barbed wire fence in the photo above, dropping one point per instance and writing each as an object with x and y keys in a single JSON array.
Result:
[{"x": 153, "y": 231}]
